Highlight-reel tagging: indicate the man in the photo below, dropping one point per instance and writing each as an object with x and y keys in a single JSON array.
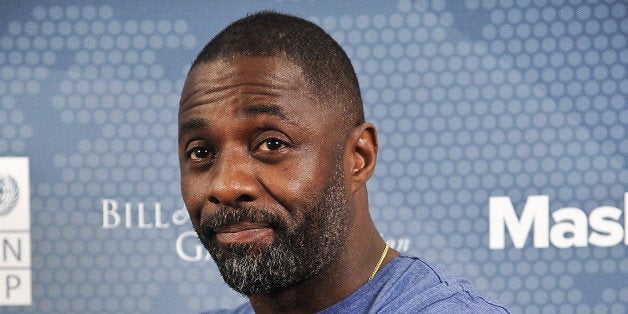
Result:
[{"x": 275, "y": 154}]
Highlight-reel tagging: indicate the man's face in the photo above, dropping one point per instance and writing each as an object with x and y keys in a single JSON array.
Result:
[{"x": 261, "y": 172}]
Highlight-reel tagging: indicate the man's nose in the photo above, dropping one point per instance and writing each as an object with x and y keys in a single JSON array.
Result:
[{"x": 232, "y": 181}]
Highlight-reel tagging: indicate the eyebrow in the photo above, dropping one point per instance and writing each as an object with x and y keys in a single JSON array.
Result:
[
  {"x": 245, "y": 112},
  {"x": 191, "y": 125}
]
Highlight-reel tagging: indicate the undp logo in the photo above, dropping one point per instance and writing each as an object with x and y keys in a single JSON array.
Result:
[{"x": 9, "y": 194}]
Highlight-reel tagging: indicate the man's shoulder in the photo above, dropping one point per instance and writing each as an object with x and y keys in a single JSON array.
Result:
[{"x": 409, "y": 284}]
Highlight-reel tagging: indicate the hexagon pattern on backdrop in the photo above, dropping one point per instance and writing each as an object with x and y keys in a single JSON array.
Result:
[{"x": 471, "y": 100}]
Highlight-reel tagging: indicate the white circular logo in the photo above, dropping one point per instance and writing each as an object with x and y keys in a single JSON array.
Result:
[{"x": 9, "y": 194}]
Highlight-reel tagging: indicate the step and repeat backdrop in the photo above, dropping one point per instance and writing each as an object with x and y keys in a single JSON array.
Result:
[{"x": 502, "y": 127}]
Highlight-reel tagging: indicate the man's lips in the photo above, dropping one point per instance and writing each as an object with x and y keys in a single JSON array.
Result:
[{"x": 244, "y": 232}]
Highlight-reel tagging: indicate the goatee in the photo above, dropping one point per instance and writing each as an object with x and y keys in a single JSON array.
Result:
[{"x": 295, "y": 254}]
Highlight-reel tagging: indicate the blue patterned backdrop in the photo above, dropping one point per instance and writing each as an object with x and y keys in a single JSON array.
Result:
[{"x": 472, "y": 100}]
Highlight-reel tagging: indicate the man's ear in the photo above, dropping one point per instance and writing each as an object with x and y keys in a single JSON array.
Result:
[{"x": 361, "y": 150}]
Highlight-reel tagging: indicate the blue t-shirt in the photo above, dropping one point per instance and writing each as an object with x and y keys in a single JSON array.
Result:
[{"x": 409, "y": 285}]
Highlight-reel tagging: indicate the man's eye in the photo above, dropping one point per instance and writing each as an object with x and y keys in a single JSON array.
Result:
[
  {"x": 271, "y": 144},
  {"x": 199, "y": 153}
]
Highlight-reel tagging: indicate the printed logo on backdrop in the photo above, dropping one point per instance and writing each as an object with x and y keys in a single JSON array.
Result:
[
  {"x": 571, "y": 227},
  {"x": 9, "y": 193},
  {"x": 15, "y": 241},
  {"x": 187, "y": 246}
]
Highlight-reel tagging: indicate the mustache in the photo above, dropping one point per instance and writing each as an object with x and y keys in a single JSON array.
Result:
[{"x": 226, "y": 216}]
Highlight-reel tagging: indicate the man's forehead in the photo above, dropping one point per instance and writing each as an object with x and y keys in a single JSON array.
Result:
[
  {"x": 272, "y": 69},
  {"x": 270, "y": 76}
]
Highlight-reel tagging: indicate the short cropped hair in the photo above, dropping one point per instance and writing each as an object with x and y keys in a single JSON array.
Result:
[{"x": 325, "y": 65}]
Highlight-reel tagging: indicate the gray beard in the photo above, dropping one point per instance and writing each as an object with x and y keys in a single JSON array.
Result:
[{"x": 293, "y": 256}]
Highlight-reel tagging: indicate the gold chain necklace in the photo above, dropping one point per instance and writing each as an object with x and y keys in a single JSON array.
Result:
[{"x": 379, "y": 263}]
